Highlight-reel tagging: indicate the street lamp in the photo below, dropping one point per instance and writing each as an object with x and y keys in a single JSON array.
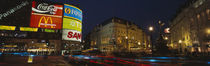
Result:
[
  {"x": 139, "y": 43},
  {"x": 160, "y": 25},
  {"x": 126, "y": 37},
  {"x": 180, "y": 42},
  {"x": 166, "y": 38},
  {"x": 208, "y": 31},
  {"x": 151, "y": 29}
]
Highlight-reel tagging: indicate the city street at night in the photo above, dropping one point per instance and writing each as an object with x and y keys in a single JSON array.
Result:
[
  {"x": 104, "y": 32},
  {"x": 83, "y": 60}
]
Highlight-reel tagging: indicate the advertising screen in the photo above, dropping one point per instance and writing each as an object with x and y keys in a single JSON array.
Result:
[
  {"x": 72, "y": 12},
  {"x": 71, "y": 35},
  {"x": 15, "y": 12},
  {"x": 72, "y": 24},
  {"x": 46, "y": 15},
  {"x": 3, "y": 27},
  {"x": 28, "y": 29},
  {"x": 49, "y": 30}
]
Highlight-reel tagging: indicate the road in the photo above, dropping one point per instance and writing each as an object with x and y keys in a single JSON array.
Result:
[{"x": 83, "y": 60}]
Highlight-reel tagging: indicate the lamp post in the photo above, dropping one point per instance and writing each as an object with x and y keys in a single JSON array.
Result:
[
  {"x": 151, "y": 29},
  {"x": 180, "y": 47},
  {"x": 127, "y": 43},
  {"x": 160, "y": 25}
]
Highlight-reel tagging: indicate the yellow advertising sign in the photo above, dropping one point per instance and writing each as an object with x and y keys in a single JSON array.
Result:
[
  {"x": 49, "y": 30},
  {"x": 10, "y": 45},
  {"x": 72, "y": 24},
  {"x": 28, "y": 29},
  {"x": 3, "y": 27},
  {"x": 30, "y": 59}
]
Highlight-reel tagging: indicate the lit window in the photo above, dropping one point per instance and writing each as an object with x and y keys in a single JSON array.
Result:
[
  {"x": 202, "y": 13},
  {"x": 208, "y": 13},
  {"x": 198, "y": 16},
  {"x": 192, "y": 19}
]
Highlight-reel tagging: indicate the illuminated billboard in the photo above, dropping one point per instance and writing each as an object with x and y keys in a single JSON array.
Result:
[
  {"x": 3, "y": 27},
  {"x": 15, "y": 12},
  {"x": 49, "y": 30},
  {"x": 72, "y": 24},
  {"x": 71, "y": 35},
  {"x": 46, "y": 15},
  {"x": 72, "y": 12},
  {"x": 28, "y": 29}
]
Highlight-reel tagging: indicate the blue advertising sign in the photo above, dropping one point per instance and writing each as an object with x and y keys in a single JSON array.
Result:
[{"x": 72, "y": 12}]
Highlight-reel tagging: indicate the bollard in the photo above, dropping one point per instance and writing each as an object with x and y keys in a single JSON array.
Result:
[{"x": 30, "y": 59}]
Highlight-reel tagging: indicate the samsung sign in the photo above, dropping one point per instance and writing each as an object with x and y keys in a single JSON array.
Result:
[{"x": 72, "y": 12}]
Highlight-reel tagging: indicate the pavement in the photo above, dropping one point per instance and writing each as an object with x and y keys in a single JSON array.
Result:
[{"x": 37, "y": 61}]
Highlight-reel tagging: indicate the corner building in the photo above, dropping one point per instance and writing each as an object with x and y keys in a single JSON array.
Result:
[
  {"x": 119, "y": 35},
  {"x": 190, "y": 28}
]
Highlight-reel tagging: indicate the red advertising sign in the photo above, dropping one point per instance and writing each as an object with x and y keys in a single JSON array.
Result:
[
  {"x": 46, "y": 15},
  {"x": 71, "y": 35}
]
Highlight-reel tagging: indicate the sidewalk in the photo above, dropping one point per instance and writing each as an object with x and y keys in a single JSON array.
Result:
[{"x": 37, "y": 61}]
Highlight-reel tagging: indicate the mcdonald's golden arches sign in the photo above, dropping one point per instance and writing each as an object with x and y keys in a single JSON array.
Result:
[{"x": 46, "y": 15}]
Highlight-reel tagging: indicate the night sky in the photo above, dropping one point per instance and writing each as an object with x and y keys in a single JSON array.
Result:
[{"x": 141, "y": 12}]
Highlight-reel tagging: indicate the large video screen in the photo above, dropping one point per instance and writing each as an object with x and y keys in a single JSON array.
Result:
[
  {"x": 72, "y": 12},
  {"x": 72, "y": 24},
  {"x": 46, "y": 15},
  {"x": 15, "y": 12}
]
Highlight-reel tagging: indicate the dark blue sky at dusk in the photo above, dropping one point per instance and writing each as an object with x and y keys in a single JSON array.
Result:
[{"x": 141, "y": 12}]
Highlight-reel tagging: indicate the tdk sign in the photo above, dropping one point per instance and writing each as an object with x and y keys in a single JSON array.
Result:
[{"x": 72, "y": 12}]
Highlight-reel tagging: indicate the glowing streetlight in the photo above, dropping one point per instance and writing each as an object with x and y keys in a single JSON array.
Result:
[
  {"x": 151, "y": 28},
  {"x": 180, "y": 41},
  {"x": 166, "y": 38},
  {"x": 208, "y": 31},
  {"x": 139, "y": 43},
  {"x": 126, "y": 37}
]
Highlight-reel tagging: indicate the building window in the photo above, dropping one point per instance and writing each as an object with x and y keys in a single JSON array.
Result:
[
  {"x": 192, "y": 19},
  {"x": 198, "y": 16},
  {"x": 208, "y": 13}
]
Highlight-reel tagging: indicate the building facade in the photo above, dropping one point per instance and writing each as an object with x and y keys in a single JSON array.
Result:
[
  {"x": 119, "y": 35},
  {"x": 190, "y": 28}
]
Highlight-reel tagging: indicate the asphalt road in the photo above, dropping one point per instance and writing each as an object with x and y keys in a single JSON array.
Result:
[{"x": 83, "y": 60}]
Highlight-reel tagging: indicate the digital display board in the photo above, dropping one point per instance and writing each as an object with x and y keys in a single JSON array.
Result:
[
  {"x": 49, "y": 30},
  {"x": 72, "y": 24},
  {"x": 46, "y": 15},
  {"x": 3, "y": 27},
  {"x": 15, "y": 12},
  {"x": 28, "y": 29},
  {"x": 72, "y": 12},
  {"x": 71, "y": 35}
]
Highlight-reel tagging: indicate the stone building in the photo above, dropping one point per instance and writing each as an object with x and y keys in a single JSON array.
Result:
[
  {"x": 190, "y": 28},
  {"x": 119, "y": 35}
]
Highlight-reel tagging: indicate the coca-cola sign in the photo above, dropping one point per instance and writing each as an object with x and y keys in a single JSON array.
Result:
[
  {"x": 45, "y": 8},
  {"x": 46, "y": 15}
]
